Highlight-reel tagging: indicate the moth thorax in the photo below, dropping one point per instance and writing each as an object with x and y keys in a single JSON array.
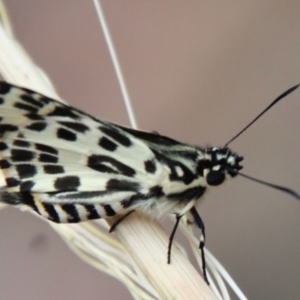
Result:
[{"x": 218, "y": 164}]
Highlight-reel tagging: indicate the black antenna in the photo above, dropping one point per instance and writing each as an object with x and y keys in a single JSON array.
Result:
[
  {"x": 264, "y": 111},
  {"x": 274, "y": 186}
]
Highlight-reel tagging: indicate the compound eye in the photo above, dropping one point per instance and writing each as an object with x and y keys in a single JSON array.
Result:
[{"x": 215, "y": 177}]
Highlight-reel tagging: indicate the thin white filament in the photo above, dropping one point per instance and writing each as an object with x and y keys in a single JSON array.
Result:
[{"x": 116, "y": 64}]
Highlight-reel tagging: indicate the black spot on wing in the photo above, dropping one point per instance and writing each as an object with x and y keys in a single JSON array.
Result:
[
  {"x": 27, "y": 107},
  {"x": 103, "y": 169},
  {"x": 67, "y": 183},
  {"x": 26, "y": 170},
  {"x": 1, "y": 100},
  {"x": 187, "y": 177},
  {"x": 61, "y": 111},
  {"x": 91, "y": 212},
  {"x": 28, "y": 91},
  {"x": 117, "y": 136},
  {"x": 107, "y": 144},
  {"x": 26, "y": 186},
  {"x": 29, "y": 99},
  {"x": 45, "y": 99},
  {"x": 109, "y": 210},
  {"x": 4, "y": 164},
  {"x": 43, "y": 157},
  {"x": 28, "y": 199},
  {"x": 154, "y": 138},
  {"x": 37, "y": 126},
  {"x": 10, "y": 198},
  {"x": 77, "y": 195},
  {"x": 150, "y": 166},
  {"x": 53, "y": 169},
  {"x": 53, "y": 215},
  {"x": 71, "y": 210},
  {"x": 19, "y": 198},
  {"x": 12, "y": 182},
  {"x": 122, "y": 185},
  {"x": 7, "y": 127},
  {"x": 34, "y": 117},
  {"x": 101, "y": 163},
  {"x": 3, "y": 146},
  {"x": 79, "y": 127},
  {"x": 20, "y": 155},
  {"x": 21, "y": 143},
  {"x": 188, "y": 195},
  {"x": 156, "y": 191},
  {"x": 5, "y": 88},
  {"x": 65, "y": 134},
  {"x": 45, "y": 148}
]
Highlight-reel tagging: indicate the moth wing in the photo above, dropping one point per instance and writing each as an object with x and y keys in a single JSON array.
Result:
[{"x": 53, "y": 154}]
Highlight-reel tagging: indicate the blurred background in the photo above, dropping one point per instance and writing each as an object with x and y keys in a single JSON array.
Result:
[{"x": 197, "y": 71}]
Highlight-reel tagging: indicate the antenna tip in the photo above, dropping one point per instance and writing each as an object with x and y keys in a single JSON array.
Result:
[{"x": 293, "y": 88}]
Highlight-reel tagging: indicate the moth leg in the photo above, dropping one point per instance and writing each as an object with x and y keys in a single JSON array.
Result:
[
  {"x": 198, "y": 221},
  {"x": 116, "y": 223},
  {"x": 171, "y": 238}
]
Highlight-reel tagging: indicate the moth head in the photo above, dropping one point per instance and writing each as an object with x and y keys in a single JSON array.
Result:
[{"x": 219, "y": 164}]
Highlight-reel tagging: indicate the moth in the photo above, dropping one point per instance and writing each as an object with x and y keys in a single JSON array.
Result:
[{"x": 68, "y": 166}]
